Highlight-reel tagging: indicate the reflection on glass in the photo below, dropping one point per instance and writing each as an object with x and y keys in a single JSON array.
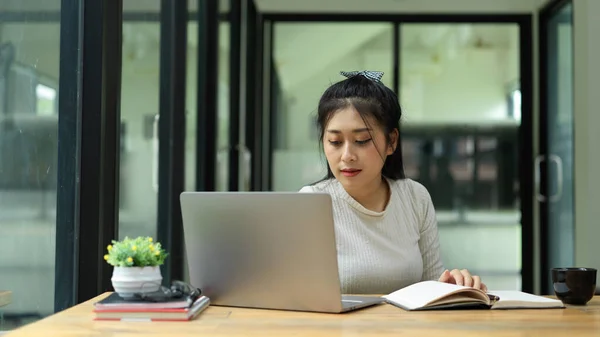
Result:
[
  {"x": 190, "y": 106},
  {"x": 515, "y": 96},
  {"x": 139, "y": 109},
  {"x": 47, "y": 100},
  {"x": 139, "y": 115},
  {"x": 462, "y": 109},
  {"x": 29, "y": 74},
  {"x": 222, "y": 169},
  {"x": 308, "y": 57},
  {"x": 191, "y": 115}
]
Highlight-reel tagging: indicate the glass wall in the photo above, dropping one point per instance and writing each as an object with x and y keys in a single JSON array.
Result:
[
  {"x": 29, "y": 78},
  {"x": 139, "y": 127},
  {"x": 29, "y": 73},
  {"x": 459, "y": 87},
  {"x": 308, "y": 57},
  {"x": 139, "y": 114}
]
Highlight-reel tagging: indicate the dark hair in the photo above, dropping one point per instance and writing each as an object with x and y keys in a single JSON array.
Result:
[{"x": 369, "y": 98}]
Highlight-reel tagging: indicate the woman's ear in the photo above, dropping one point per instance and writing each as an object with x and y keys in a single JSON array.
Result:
[{"x": 393, "y": 142}]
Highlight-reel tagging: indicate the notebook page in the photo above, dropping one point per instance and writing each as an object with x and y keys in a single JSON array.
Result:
[
  {"x": 518, "y": 299},
  {"x": 419, "y": 294}
]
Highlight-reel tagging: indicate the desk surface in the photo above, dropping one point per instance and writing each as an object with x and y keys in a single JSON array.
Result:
[
  {"x": 381, "y": 320},
  {"x": 5, "y": 297}
]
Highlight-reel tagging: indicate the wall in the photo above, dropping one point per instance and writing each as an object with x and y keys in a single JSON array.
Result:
[{"x": 587, "y": 138}]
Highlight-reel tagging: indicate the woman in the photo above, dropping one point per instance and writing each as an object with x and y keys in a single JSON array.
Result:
[{"x": 386, "y": 230}]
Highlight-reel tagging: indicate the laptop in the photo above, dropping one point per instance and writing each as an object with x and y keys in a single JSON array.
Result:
[{"x": 269, "y": 250}]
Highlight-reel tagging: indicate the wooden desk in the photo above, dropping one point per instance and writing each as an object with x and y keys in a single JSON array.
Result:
[{"x": 381, "y": 320}]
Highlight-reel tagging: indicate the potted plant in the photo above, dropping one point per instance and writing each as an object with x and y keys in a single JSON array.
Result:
[{"x": 136, "y": 265}]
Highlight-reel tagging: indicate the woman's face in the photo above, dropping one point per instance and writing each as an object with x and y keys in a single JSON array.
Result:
[{"x": 355, "y": 150}]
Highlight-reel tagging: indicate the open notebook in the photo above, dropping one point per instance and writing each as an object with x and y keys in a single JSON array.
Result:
[{"x": 430, "y": 295}]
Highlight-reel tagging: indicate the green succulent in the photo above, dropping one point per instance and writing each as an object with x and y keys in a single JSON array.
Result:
[{"x": 138, "y": 252}]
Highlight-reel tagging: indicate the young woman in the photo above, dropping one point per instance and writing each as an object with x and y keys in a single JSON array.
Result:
[{"x": 386, "y": 229}]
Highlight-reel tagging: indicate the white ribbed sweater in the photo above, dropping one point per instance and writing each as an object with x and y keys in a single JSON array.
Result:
[{"x": 379, "y": 252}]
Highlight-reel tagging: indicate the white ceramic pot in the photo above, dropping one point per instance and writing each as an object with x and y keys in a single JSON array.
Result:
[{"x": 128, "y": 281}]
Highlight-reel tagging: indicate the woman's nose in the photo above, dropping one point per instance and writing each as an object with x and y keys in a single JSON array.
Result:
[{"x": 348, "y": 154}]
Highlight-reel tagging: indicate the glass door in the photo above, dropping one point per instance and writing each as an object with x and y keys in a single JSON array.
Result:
[
  {"x": 465, "y": 91},
  {"x": 299, "y": 78},
  {"x": 554, "y": 164},
  {"x": 460, "y": 85}
]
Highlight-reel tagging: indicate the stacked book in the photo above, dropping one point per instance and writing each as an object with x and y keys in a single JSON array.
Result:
[{"x": 116, "y": 308}]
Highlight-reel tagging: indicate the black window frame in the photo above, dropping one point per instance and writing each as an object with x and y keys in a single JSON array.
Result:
[
  {"x": 88, "y": 147},
  {"x": 546, "y": 233}
]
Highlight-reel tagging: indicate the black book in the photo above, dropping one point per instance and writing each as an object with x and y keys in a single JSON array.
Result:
[{"x": 114, "y": 301}]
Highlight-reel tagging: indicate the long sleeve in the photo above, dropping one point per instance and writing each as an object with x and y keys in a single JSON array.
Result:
[
  {"x": 429, "y": 238},
  {"x": 380, "y": 252}
]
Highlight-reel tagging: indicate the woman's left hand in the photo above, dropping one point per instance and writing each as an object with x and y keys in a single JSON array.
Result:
[{"x": 462, "y": 278}]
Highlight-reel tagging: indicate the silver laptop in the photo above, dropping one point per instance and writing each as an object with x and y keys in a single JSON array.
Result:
[{"x": 270, "y": 250}]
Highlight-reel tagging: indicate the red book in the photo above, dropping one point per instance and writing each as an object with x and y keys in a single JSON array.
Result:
[{"x": 150, "y": 311}]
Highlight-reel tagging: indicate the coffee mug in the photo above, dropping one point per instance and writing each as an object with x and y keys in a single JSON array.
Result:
[{"x": 574, "y": 285}]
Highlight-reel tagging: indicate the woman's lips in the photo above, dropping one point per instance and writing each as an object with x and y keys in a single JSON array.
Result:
[{"x": 350, "y": 172}]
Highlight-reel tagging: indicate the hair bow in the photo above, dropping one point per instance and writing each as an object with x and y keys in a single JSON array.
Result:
[{"x": 372, "y": 75}]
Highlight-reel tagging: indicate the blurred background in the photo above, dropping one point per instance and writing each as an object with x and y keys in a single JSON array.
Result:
[{"x": 492, "y": 144}]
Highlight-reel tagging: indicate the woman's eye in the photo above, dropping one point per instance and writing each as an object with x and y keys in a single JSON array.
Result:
[
  {"x": 334, "y": 142},
  {"x": 363, "y": 142}
]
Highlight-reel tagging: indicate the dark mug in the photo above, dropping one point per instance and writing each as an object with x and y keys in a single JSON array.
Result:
[{"x": 574, "y": 285}]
